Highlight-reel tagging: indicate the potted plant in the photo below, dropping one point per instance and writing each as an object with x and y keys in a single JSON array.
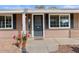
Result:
[
  {"x": 21, "y": 39},
  {"x": 18, "y": 39},
  {"x": 24, "y": 39}
]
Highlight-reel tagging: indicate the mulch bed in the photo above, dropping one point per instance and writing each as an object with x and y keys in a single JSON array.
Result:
[{"x": 68, "y": 49}]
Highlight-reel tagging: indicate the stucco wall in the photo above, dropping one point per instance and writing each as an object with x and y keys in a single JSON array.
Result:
[
  {"x": 57, "y": 33},
  {"x": 75, "y": 30},
  {"x": 76, "y": 20},
  {"x": 49, "y": 33},
  {"x": 8, "y": 33},
  {"x": 63, "y": 33},
  {"x": 29, "y": 16},
  {"x": 19, "y": 22},
  {"x": 74, "y": 33}
]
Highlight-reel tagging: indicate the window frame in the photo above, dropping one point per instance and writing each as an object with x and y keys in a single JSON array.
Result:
[
  {"x": 5, "y": 21},
  {"x": 59, "y": 22}
]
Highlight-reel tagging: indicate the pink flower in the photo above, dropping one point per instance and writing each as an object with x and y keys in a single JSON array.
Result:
[
  {"x": 19, "y": 35},
  {"x": 14, "y": 36},
  {"x": 28, "y": 35}
]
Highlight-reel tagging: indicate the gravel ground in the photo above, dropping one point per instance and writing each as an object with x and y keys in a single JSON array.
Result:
[{"x": 68, "y": 49}]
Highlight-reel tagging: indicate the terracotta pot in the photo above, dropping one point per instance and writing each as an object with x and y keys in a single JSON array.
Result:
[
  {"x": 18, "y": 43},
  {"x": 23, "y": 44}
]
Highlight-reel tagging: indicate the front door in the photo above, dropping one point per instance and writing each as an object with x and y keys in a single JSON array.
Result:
[{"x": 38, "y": 25}]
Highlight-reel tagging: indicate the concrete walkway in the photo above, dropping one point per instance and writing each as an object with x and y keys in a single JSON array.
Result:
[
  {"x": 48, "y": 45},
  {"x": 68, "y": 41},
  {"x": 42, "y": 46}
]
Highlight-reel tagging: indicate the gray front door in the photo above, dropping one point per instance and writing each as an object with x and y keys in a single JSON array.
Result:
[{"x": 38, "y": 25}]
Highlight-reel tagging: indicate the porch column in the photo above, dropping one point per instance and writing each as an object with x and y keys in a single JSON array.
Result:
[{"x": 24, "y": 23}]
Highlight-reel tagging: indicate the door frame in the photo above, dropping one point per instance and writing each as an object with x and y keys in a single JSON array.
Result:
[{"x": 33, "y": 24}]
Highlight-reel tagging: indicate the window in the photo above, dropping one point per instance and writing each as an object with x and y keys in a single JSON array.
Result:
[
  {"x": 6, "y": 22},
  {"x": 59, "y": 21},
  {"x": 2, "y": 22},
  {"x": 64, "y": 21},
  {"x": 54, "y": 22}
]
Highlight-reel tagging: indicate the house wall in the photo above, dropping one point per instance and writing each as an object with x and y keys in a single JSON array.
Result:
[
  {"x": 19, "y": 22},
  {"x": 75, "y": 30},
  {"x": 56, "y": 33},
  {"x": 64, "y": 33},
  {"x": 76, "y": 20},
  {"x": 49, "y": 33},
  {"x": 8, "y": 33},
  {"x": 29, "y": 16},
  {"x": 52, "y": 33},
  {"x": 74, "y": 33}
]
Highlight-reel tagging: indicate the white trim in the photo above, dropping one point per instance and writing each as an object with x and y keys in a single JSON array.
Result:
[
  {"x": 24, "y": 23},
  {"x": 43, "y": 26},
  {"x": 69, "y": 22},
  {"x": 59, "y": 22},
  {"x": 49, "y": 21},
  {"x": 5, "y": 21},
  {"x": 12, "y": 21},
  {"x": 32, "y": 27},
  {"x": 60, "y": 14},
  {"x": 33, "y": 24}
]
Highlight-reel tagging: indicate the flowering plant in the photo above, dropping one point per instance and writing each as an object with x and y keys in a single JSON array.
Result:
[
  {"x": 25, "y": 37},
  {"x": 21, "y": 39}
]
